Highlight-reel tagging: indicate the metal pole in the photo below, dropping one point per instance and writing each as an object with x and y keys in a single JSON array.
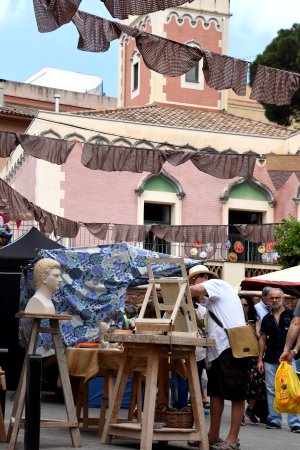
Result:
[{"x": 33, "y": 403}]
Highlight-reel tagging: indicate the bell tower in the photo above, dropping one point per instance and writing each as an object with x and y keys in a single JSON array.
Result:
[{"x": 201, "y": 23}]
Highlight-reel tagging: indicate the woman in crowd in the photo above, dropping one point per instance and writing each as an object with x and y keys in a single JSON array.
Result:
[{"x": 256, "y": 382}]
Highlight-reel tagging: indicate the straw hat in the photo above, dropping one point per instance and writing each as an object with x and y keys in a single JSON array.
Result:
[{"x": 200, "y": 269}]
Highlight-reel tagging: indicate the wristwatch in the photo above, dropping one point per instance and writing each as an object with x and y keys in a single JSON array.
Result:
[{"x": 295, "y": 351}]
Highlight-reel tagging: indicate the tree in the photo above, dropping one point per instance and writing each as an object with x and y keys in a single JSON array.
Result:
[
  {"x": 282, "y": 53},
  {"x": 288, "y": 242}
]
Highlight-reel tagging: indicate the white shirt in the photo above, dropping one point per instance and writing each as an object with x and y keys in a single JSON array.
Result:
[
  {"x": 261, "y": 311},
  {"x": 200, "y": 351},
  {"x": 224, "y": 302}
]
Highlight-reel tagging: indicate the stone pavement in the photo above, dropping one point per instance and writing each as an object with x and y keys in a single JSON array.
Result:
[{"x": 252, "y": 437}]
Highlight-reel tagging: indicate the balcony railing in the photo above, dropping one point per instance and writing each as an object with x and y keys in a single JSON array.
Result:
[{"x": 235, "y": 249}]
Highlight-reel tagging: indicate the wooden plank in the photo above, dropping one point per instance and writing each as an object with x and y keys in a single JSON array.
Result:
[
  {"x": 150, "y": 399},
  {"x": 58, "y": 424},
  {"x": 161, "y": 339},
  {"x": 117, "y": 395},
  {"x": 196, "y": 399},
  {"x": 66, "y": 385},
  {"x": 23, "y": 314},
  {"x": 18, "y": 406},
  {"x": 161, "y": 327}
]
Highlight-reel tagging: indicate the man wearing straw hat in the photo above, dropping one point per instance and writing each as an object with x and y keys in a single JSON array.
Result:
[{"x": 227, "y": 376}]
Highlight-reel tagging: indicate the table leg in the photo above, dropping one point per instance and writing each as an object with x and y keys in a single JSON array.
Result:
[{"x": 150, "y": 398}]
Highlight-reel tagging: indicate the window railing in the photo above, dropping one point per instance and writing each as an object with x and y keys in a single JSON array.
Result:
[{"x": 235, "y": 249}]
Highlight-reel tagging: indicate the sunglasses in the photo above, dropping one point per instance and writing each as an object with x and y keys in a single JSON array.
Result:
[{"x": 245, "y": 305}]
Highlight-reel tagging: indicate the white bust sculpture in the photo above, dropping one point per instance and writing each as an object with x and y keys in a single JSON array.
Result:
[{"x": 47, "y": 280}]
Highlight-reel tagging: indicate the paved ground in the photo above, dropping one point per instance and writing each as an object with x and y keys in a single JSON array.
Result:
[{"x": 252, "y": 437}]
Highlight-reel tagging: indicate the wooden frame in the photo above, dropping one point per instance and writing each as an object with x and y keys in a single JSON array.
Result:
[{"x": 174, "y": 310}]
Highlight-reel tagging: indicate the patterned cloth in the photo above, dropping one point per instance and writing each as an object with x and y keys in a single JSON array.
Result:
[
  {"x": 130, "y": 233},
  {"x": 274, "y": 86},
  {"x": 224, "y": 72},
  {"x": 94, "y": 286},
  {"x": 191, "y": 233},
  {"x": 55, "y": 151},
  {"x": 257, "y": 233},
  {"x": 123, "y": 8},
  {"x": 8, "y": 143},
  {"x": 52, "y": 14},
  {"x": 162, "y": 55}
]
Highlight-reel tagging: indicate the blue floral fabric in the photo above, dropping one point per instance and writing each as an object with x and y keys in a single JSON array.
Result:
[{"x": 94, "y": 286}]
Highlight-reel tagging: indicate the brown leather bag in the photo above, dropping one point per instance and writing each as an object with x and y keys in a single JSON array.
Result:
[{"x": 243, "y": 341}]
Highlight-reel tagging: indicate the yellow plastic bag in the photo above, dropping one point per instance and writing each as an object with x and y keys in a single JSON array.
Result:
[{"x": 287, "y": 390}]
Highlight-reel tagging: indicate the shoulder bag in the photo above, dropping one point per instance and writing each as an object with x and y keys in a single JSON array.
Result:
[{"x": 243, "y": 341}]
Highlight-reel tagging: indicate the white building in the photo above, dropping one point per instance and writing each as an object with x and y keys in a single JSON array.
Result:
[{"x": 67, "y": 80}]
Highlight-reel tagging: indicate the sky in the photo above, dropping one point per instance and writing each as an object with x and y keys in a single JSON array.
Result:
[{"x": 24, "y": 51}]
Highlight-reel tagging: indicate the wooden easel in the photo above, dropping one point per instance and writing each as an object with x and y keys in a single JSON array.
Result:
[
  {"x": 16, "y": 421},
  {"x": 158, "y": 340},
  {"x": 175, "y": 303}
]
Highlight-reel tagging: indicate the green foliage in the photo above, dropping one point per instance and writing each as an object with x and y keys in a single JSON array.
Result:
[
  {"x": 282, "y": 53},
  {"x": 288, "y": 242}
]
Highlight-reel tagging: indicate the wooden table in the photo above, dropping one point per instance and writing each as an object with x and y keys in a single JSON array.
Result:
[
  {"x": 88, "y": 363},
  {"x": 156, "y": 349},
  {"x": 16, "y": 421}
]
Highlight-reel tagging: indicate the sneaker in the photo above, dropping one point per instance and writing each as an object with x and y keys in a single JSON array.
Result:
[
  {"x": 243, "y": 422},
  {"x": 295, "y": 429},
  {"x": 251, "y": 416},
  {"x": 273, "y": 426}
]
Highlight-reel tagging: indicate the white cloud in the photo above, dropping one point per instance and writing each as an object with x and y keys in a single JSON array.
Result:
[
  {"x": 12, "y": 10},
  {"x": 254, "y": 24}
]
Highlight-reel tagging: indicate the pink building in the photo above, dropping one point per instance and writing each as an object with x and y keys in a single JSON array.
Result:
[{"x": 165, "y": 113}]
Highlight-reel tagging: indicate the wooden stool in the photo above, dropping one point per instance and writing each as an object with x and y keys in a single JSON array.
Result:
[
  {"x": 16, "y": 421},
  {"x": 109, "y": 378},
  {"x": 156, "y": 350}
]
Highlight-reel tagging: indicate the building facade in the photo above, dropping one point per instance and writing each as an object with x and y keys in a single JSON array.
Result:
[{"x": 164, "y": 113}]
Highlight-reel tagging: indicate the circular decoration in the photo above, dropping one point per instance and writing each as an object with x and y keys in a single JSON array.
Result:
[
  {"x": 197, "y": 250},
  {"x": 194, "y": 251},
  {"x": 269, "y": 247},
  {"x": 226, "y": 245},
  {"x": 233, "y": 257},
  {"x": 197, "y": 244},
  {"x": 261, "y": 248},
  {"x": 266, "y": 257},
  {"x": 275, "y": 256},
  {"x": 238, "y": 247}
]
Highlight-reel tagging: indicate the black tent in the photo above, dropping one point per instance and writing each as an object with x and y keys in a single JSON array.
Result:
[
  {"x": 12, "y": 258},
  {"x": 24, "y": 249}
]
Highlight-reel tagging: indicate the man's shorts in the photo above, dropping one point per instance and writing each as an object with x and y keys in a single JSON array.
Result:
[{"x": 227, "y": 377}]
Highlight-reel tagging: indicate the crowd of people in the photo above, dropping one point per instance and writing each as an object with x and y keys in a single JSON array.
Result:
[
  {"x": 277, "y": 328},
  {"x": 278, "y": 332}
]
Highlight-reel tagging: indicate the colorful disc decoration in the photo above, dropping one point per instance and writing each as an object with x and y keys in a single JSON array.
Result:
[
  {"x": 268, "y": 252},
  {"x": 198, "y": 250},
  {"x": 233, "y": 257},
  {"x": 238, "y": 246}
]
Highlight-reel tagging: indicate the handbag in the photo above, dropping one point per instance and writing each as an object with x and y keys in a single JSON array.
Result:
[{"x": 243, "y": 341}]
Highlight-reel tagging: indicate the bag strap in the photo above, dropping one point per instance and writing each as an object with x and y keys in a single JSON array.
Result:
[{"x": 214, "y": 317}]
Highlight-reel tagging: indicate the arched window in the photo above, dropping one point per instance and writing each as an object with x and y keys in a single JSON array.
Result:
[
  {"x": 135, "y": 74},
  {"x": 194, "y": 79},
  {"x": 246, "y": 202},
  {"x": 159, "y": 202}
]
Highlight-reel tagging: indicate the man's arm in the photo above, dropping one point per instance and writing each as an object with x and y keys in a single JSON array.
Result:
[
  {"x": 197, "y": 290},
  {"x": 293, "y": 334},
  {"x": 262, "y": 346}
]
